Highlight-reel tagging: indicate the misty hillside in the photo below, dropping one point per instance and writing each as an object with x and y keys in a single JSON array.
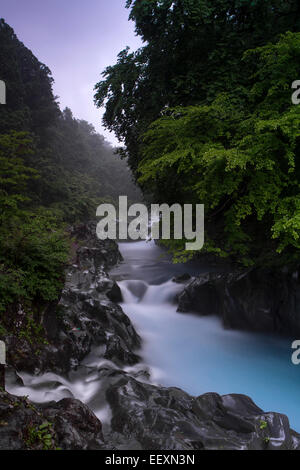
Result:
[{"x": 54, "y": 171}]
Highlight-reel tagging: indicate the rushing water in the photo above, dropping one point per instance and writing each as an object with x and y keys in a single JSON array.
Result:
[
  {"x": 196, "y": 353},
  {"x": 185, "y": 350}
]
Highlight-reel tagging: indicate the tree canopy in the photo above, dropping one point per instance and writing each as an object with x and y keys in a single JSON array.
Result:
[
  {"x": 205, "y": 111},
  {"x": 54, "y": 170},
  {"x": 193, "y": 51}
]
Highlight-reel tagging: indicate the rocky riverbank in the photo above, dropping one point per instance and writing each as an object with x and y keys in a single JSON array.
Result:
[
  {"x": 86, "y": 315},
  {"x": 255, "y": 299},
  {"x": 66, "y": 425},
  {"x": 143, "y": 416},
  {"x": 146, "y": 417}
]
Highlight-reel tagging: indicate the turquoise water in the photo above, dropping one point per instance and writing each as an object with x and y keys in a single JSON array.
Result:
[
  {"x": 196, "y": 353},
  {"x": 184, "y": 350}
]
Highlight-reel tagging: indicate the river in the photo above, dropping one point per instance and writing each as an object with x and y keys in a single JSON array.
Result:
[
  {"x": 184, "y": 350},
  {"x": 196, "y": 353}
]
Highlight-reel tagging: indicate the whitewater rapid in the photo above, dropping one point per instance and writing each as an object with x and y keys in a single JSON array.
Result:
[
  {"x": 184, "y": 350},
  {"x": 196, "y": 353}
]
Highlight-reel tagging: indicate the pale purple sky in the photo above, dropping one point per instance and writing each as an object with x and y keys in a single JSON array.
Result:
[{"x": 76, "y": 39}]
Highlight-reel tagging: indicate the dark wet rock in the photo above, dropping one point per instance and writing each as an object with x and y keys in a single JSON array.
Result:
[
  {"x": 255, "y": 299},
  {"x": 201, "y": 295},
  {"x": 156, "y": 418},
  {"x": 67, "y": 425},
  {"x": 87, "y": 314},
  {"x": 76, "y": 426},
  {"x": 110, "y": 289},
  {"x": 107, "y": 252},
  {"x": 145, "y": 416},
  {"x": 183, "y": 278},
  {"x": 118, "y": 352},
  {"x": 12, "y": 377}
]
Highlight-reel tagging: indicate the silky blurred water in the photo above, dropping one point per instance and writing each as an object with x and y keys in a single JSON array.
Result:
[
  {"x": 184, "y": 350},
  {"x": 196, "y": 353}
]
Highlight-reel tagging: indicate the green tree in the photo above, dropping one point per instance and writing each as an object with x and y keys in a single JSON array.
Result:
[
  {"x": 239, "y": 156},
  {"x": 193, "y": 51},
  {"x": 14, "y": 173},
  {"x": 54, "y": 169},
  {"x": 33, "y": 245}
]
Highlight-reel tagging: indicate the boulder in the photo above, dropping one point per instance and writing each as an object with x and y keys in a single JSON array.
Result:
[
  {"x": 254, "y": 299},
  {"x": 67, "y": 425},
  {"x": 183, "y": 278},
  {"x": 156, "y": 418},
  {"x": 87, "y": 314}
]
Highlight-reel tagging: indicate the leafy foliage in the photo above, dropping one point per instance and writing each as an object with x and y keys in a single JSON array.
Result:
[
  {"x": 204, "y": 109},
  {"x": 54, "y": 170},
  {"x": 239, "y": 156},
  {"x": 14, "y": 174},
  {"x": 192, "y": 52},
  {"x": 41, "y": 437},
  {"x": 33, "y": 247}
]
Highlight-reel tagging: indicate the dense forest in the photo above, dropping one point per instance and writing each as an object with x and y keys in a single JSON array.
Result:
[
  {"x": 54, "y": 171},
  {"x": 205, "y": 115},
  {"x": 205, "y": 112},
  {"x": 105, "y": 345}
]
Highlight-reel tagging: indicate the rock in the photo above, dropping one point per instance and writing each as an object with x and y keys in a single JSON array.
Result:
[
  {"x": 255, "y": 299},
  {"x": 76, "y": 426},
  {"x": 87, "y": 314},
  {"x": 182, "y": 278},
  {"x": 167, "y": 418},
  {"x": 201, "y": 295},
  {"x": 110, "y": 289},
  {"x": 144, "y": 417},
  {"x": 67, "y": 425},
  {"x": 108, "y": 254},
  {"x": 118, "y": 352},
  {"x": 251, "y": 300}
]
